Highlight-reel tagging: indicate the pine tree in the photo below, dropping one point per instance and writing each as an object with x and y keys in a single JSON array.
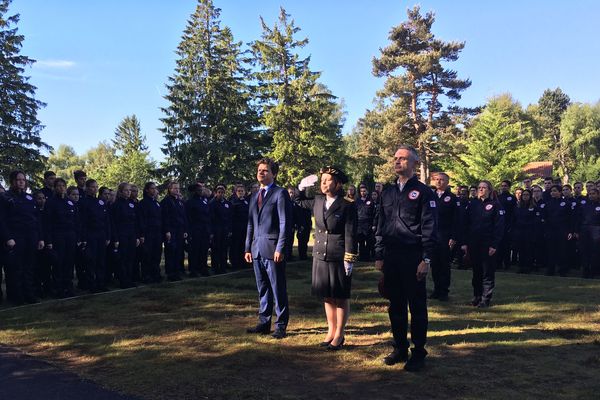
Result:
[
  {"x": 422, "y": 84},
  {"x": 498, "y": 144},
  {"x": 210, "y": 125},
  {"x": 301, "y": 114},
  {"x": 133, "y": 163},
  {"x": 551, "y": 106},
  {"x": 20, "y": 142}
]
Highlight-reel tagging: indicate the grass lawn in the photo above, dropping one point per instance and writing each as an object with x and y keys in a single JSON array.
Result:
[{"x": 541, "y": 339}]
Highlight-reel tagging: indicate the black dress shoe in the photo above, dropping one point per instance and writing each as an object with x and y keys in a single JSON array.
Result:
[
  {"x": 396, "y": 356},
  {"x": 415, "y": 363},
  {"x": 279, "y": 334},
  {"x": 335, "y": 347},
  {"x": 262, "y": 329},
  {"x": 325, "y": 344}
]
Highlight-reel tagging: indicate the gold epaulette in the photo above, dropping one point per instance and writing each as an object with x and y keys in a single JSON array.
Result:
[{"x": 349, "y": 257}]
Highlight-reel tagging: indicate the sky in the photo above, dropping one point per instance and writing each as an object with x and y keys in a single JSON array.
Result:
[{"x": 100, "y": 61}]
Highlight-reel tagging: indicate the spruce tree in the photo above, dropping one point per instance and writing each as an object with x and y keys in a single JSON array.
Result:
[
  {"x": 20, "y": 142},
  {"x": 416, "y": 79},
  {"x": 210, "y": 125},
  {"x": 551, "y": 107},
  {"x": 300, "y": 114}
]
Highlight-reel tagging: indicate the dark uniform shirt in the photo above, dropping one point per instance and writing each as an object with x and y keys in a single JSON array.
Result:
[
  {"x": 484, "y": 223},
  {"x": 221, "y": 216},
  {"x": 198, "y": 214},
  {"x": 61, "y": 216},
  {"x": 524, "y": 222},
  {"x": 95, "y": 219},
  {"x": 508, "y": 203},
  {"x": 365, "y": 210},
  {"x": 125, "y": 219},
  {"x": 588, "y": 215},
  {"x": 407, "y": 217},
  {"x": 19, "y": 215},
  {"x": 151, "y": 214},
  {"x": 448, "y": 210},
  {"x": 240, "y": 214},
  {"x": 557, "y": 215},
  {"x": 174, "y": 217}
]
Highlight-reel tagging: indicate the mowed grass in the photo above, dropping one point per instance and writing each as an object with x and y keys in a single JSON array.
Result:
[{"x": 541, "y": 339}]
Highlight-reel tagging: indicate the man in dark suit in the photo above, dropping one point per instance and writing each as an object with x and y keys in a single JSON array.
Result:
[{"x": 267, "y": 239}]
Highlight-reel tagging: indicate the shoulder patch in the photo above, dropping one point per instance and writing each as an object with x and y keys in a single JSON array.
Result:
[
  {"x": 70, "y": 202},
  {"x": 489, "y": 207},
  {"x": 597, "y": 208},
  {"x": 131, "y": 205},
  {"x": 583, "y": 201},
  {"x": 414, "y": 194},
  {"x": 101, "y": 202},
  {"x": 226, "y": 205},
  {"x": 368, "y": 203},
  {"x": 509, "y": 198},
  {"x": 447, "y": 199},
  {"x": 562, "y": 203}
]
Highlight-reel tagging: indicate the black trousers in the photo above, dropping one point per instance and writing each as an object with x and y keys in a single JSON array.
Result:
[
  {"x": 556, "y": 248},
  {"x": 198, "y": 254},
  {"x": 526, "y": 249},
  {"x": 44, "y": 279},
  {"x": 218, "y": 254},
  {"x": 400, "y": 281},
  {"x": 65, "y": 247},
  {"x": 440, "y": 266},
  {"x": 96, "y": 251},
  {"x": 303, "y": 236},
  {"x": 484, "y": 270},
  {"x": 152, "y": 252},
  {"x": 237, "y": 248},
  {"x": 127, "y": 258},
  {"x": 365, "y": 245},
  {"x": 503, "y": 253},
  {"x": 20, "y": 268},
  {"x": 589, "y": 248},
  {"x": 174, "y": 255}
]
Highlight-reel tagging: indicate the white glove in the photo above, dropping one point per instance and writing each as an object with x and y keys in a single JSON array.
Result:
[
  {"x": 308, "y": 182},
  {"x": 348, "y": 267}
]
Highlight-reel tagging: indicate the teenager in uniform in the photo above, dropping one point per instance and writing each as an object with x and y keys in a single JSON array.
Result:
[
  {"x": 523, "y": 225},
  {"x": 365, "y": 209},
  {"x": 557, "y": 216},
  {"x": 175, "y": 230},
  {"x": 221, "y": 222},
  {"x": 588, "y": 230},
  {"x": 198, "y": 215}
]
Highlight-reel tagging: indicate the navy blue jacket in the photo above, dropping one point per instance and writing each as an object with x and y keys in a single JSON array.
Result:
[
  {"x": 198, "y": 214},
  {"x": 151, "y": 214},
  {"x": 95, "y": 219},
  {"x": 587, "y": 214},
  {"x": 509, "y": 203},
  {"x": 270, "y": 227},
  {"x": 221, "y": 214},
  {"x": 18, "y": 215},
  {"x": 241, "y": 208},
  {"x": 524, "y": 221},
  {"x": 557, "y": 216},
  {"x": 61, "y": 216},
  {"x": 448, "y": 210},
  {"x": 174, "y": 218},
  {"x": 125, "y": 219}
]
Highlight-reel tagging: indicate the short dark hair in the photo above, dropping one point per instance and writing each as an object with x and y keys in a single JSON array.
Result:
[
  {"x": 148, "y": 185},
  {"x": 59, "y": 180},
  {"x": 72, "y": 189},
  {"x": 578, "y": 183},
  {"x": 102, "y": 190},
  {"x": 89, "y": 182},
  {"x": 48, "y": 174},
  {"x": 509, "y": 183},
  {"x": 567, "y": 186},
  {"x": 272, "y": 164},
  {"x": 557, "y": 187},
  {"x": 79, "y": 174},
  {"x": 549, "y": 178}
]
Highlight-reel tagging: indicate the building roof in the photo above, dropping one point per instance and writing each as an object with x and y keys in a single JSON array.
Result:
[{"x": 538, "y": 169}]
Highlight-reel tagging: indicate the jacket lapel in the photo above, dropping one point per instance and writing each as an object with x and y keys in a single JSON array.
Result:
[{"x": 334, "y": 207}]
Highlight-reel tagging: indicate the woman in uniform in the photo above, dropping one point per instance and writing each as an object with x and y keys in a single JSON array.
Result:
[
  {"x": 588, "y": 230},
  {"x": 175, "y": 230},
  {"x": 21, "y": 231},
  {"x": 220, "y": 219},
  {"x": 126, "y": 234},
  {"x": 198, "y": 216},
  {"x": 151, "y": 213},
  {"x": 240, "y": 208},
  {"x": 524, "y": 218},
  {"x": 482, "y": 233},
  {"x": 334, "y": 251},
  {"x": 557, "y": 217}
]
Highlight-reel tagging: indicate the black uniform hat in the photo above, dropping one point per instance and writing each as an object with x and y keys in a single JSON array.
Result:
[{"x": 335, "y": 171}]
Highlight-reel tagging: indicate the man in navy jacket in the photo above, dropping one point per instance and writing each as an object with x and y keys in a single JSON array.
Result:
[{"x": 267, "y": 239}]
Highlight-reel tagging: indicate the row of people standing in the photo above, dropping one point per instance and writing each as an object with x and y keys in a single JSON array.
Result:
[{"x": 52, "y": 232}]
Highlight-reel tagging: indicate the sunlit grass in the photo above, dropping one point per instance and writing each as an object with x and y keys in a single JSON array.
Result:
[{"x": 541, "y": 339}]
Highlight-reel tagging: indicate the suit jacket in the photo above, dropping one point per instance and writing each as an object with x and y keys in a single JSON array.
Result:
[
  {"x": 335, "y": 229},
  {"x": 269, "y": 228}
]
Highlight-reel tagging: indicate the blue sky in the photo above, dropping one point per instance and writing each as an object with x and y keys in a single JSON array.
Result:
[{"x": 99, "y": 61}]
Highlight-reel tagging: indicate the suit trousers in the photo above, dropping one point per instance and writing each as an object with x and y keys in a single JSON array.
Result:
[{"x": 272, "y": 290}]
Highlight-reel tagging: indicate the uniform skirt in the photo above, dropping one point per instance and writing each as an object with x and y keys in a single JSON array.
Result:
[{"x": 329, "y": 279}]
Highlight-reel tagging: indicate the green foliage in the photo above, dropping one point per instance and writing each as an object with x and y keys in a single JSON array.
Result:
[
  {"x": 64, "y": 161},
  {"x": 132, "y": 163},
  {"x": 210, "y": 124},
  {"x": 300, "y": 114},
  {"x": 498, "y": 144},
  {"x": 20, "y": 142},
  {"x": 417, "y": 83},
  {"x": 98, "y": 162},
  {"x": 580, "y": 136}
]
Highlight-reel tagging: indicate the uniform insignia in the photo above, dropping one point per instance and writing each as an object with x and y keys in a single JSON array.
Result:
[
  {"x": 368, "y": 203},
  {"x": 101, "y": 202},
  {"x": 531, "y": 209},
  {"x": 246, "y": 202},
  {"x": 562, "y": 203},
  {"x": 414, "y": 195},
  {"x": 432, "y": 204},
  {"x": 226, "y": 205},
  {"x": 70, "y": 202},
  {"x": 501, "y": 212},
  {"x": 509, "y": 198},
  {"x": 447, "y": 199},
  {"x": 336, "y": 215},
  {"x": 28, "y": 197},
  {"x": 158, "y": 204},
  {"x": 597, "y": 208},
  {"x": 458, "y": 203},
  {"x": 489, "y": 207},
  {"x": 204, "y": 201},
  {"x": 131, "y": 205},
  {"x": 542, "y": 205},
  {"x": 583, "y": 201}
]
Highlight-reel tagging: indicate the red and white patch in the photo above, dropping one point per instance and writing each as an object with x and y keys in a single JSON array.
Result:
[
  {"x": 414, "y": 195},
  {"x": 447, "y": 199},
  {"x": 489, "y": 207}
]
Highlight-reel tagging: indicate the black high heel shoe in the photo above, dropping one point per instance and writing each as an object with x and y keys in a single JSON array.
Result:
[
  {"x": 339, "y": 346},
  {"x": 325, "y": 344}
]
